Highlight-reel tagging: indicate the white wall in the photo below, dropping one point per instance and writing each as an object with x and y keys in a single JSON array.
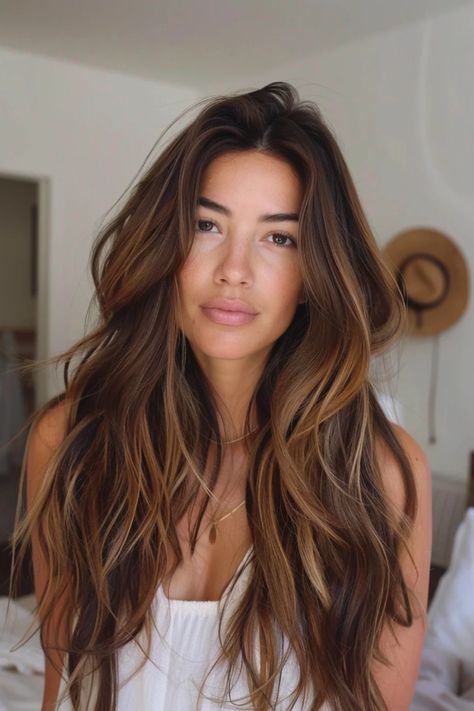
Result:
[
  {"x": 402, "y": 106},
  {"x": 87, "y": 131}
]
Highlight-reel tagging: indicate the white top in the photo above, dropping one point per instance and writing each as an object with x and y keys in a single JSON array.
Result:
[{"x": 182, "y": 651}]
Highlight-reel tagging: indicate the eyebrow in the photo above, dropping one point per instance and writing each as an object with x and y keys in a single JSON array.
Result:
[{"x": 277, "y": 217}]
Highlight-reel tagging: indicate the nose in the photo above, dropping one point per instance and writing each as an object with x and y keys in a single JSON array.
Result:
[{"x": 234, "y": 265}]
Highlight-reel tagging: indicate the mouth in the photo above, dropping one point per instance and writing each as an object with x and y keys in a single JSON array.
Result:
[
  {"x": 227, "y": 304},
  {"x": 228, "y": 317}
]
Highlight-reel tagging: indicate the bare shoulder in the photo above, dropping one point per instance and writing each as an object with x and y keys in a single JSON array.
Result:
[
  {"x": 50, "y": 428},
  {"x": 415, "y": 569},
  {"x": 397, "y": 683},
  {"x": 391, "y": 473},
  {"x": 46, "y": 435}
]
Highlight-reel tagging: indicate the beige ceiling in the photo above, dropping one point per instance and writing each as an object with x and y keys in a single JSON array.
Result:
[{"x": 196, "y": 43}]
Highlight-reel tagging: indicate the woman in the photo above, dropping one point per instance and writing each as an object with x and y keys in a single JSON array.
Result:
[{"x": 217, "y": 495}]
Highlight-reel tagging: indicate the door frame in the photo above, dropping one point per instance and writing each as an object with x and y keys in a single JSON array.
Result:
[{"x": 42, "y": 275}]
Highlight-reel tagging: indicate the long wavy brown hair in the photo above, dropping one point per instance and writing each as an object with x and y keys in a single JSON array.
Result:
[{"x": 326, "y": 543}]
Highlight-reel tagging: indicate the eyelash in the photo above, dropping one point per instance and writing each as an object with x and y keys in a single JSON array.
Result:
[{"x": 278, "y": 234}]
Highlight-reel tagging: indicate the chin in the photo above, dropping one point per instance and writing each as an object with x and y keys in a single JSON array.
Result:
[
  {"x": 220, "y": 352},
  {"x": 228, "y": 347}
]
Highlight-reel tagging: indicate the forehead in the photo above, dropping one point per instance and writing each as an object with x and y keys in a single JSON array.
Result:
[{"x": 252, "y": 176}]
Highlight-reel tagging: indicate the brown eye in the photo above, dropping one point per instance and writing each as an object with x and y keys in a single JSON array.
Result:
[
  {"x": 283, "y": 240},
  {"x": 206, "y": 223}
]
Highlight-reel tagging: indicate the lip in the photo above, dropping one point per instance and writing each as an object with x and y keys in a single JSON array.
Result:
[
  {"x": 228, "y": 318},
  {"x": 229, "y": 305}
]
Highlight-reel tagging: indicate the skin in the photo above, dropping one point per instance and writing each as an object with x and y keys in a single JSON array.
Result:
[
  {"x": 397, "y": 683},
  {"x": 240, "y": 256}
]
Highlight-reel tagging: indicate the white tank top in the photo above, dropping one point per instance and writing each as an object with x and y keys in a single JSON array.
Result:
[{"x": 184, "y": 645}]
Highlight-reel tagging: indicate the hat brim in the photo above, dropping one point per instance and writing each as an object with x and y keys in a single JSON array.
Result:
[{"x": 431, "y": 321}]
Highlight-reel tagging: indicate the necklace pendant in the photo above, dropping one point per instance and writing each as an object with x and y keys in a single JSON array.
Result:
[{"x": 212, "y": 533}]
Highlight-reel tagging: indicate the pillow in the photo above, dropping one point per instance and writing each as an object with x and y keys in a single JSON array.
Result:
[{"x": 451, "y": 613}]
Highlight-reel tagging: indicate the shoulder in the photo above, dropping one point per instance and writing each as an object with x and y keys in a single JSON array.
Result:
[
  {"x": 397, "y": 682},
  {"x": 45, "y": 437},
  {"x": 390, "y": 471},
  {"x": 415, "y": 560},
  {"x": 50, "y": 425}
]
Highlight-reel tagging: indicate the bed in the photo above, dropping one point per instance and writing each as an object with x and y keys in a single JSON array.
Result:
[
  {"x": 21, "y": 671},
  {"x": 446, "y": 676}
]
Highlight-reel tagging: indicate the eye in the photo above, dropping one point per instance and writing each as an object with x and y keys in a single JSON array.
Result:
[
  {"x": 205, "y": 223},
  {"x": 281, "y": 237}
]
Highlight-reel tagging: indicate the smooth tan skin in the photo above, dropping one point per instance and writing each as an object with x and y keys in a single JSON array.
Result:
[{"x": 238, "y": 257}]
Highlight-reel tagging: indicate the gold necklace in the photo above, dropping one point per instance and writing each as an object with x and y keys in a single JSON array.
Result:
[{"x": 216, "y": 522}]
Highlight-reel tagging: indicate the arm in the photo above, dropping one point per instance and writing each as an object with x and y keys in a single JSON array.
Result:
[
  {"x": 397, "y": 684},
  {"x": 44, "y": 439}
]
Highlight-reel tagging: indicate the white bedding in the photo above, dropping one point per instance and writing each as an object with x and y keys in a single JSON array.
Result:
[
  {"x": 446, "y": 676},
  {"x": 443, "y": 684},
  {"x": 21, "y": 670}
]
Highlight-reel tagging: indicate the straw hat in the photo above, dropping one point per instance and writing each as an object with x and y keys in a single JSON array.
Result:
[{"x": 433, "y": 275}]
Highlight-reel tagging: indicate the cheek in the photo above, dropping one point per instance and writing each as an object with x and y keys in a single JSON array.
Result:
[
  {"x": 189, "y": 276},
  {"x": 284, "y": 288}
]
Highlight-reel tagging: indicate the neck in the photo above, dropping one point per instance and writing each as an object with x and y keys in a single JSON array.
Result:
[{"x": 232, "y": 382}]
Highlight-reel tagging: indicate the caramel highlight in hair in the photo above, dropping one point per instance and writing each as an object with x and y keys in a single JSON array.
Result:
[{"x": 325, "y": 569}]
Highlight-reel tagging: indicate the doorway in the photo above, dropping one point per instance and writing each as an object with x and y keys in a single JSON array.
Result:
[{"x": 22, "y": 334}]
